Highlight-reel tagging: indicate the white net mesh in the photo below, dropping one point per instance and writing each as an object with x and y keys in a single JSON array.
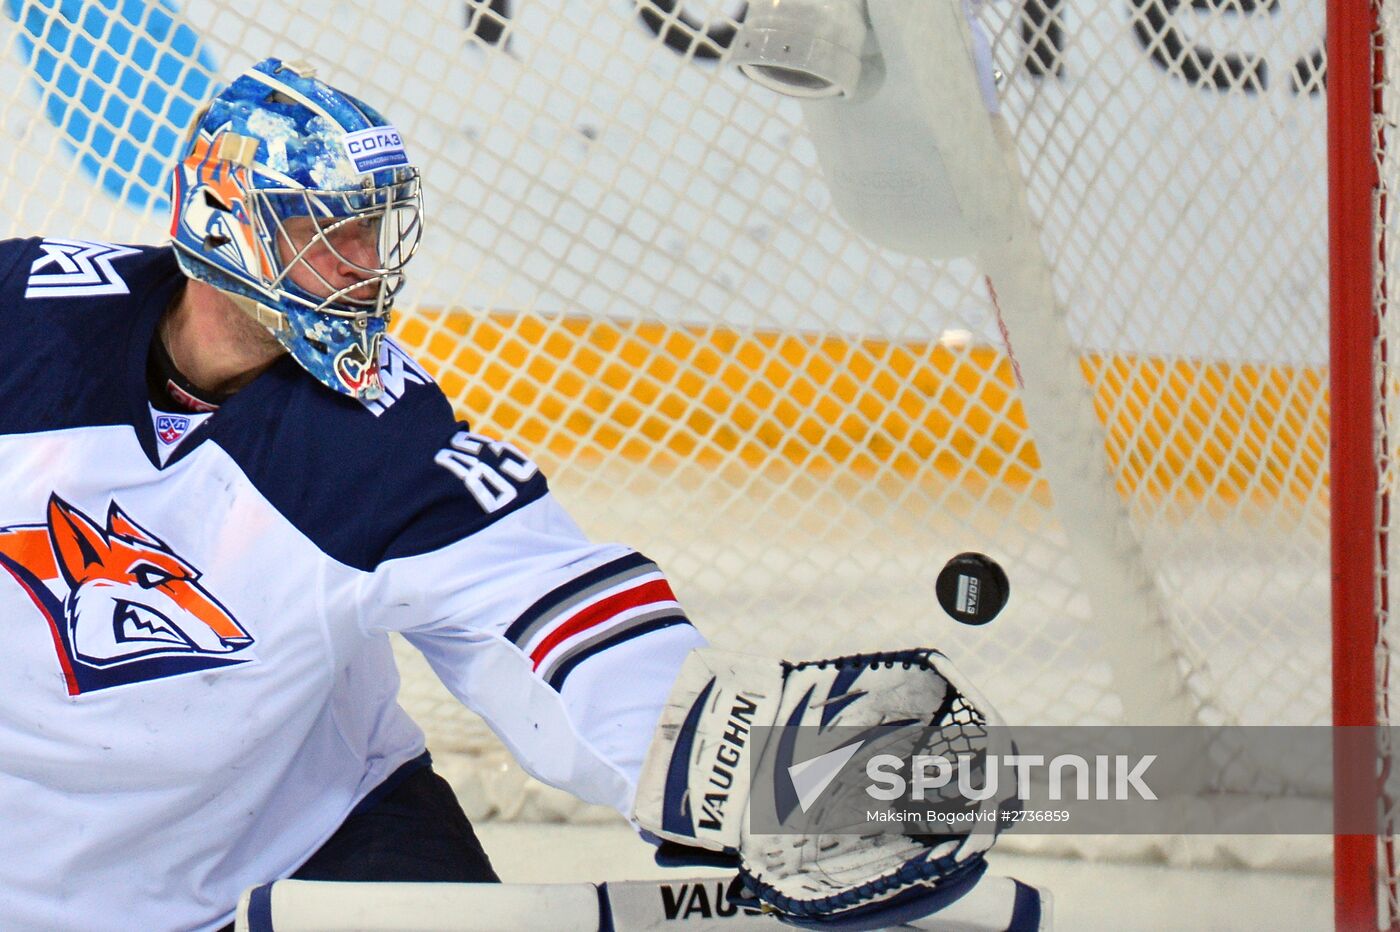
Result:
[
  {"x": 1386, "y": 257},
  {"x": 633, "y": 271}
]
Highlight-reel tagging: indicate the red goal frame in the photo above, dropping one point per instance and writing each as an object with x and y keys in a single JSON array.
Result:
[{"x": 1363, "y": 866}]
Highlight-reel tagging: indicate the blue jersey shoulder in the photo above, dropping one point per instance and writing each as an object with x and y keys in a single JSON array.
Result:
[
  {"x": 12, "y": 254},
  {"x": 366, "y": 481},
  {"x": 54, "y": 272},
  {"x": 76, "y": 313},
  {"x": 369, "y": 482}
]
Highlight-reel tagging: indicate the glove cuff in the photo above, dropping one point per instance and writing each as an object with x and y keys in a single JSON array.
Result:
[{"x": 694, "y": 786}]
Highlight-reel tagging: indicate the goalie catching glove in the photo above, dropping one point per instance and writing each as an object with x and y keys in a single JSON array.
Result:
[{"x": 696, "y": 789}]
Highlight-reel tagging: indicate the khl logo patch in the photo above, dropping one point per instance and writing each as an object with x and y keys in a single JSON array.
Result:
[
  {"x": 74, "y": 268},
  {"x": 171, "y": 427},
  {"x": 121, "y": 605}
]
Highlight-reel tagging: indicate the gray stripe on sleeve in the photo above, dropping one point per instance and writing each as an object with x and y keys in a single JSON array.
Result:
[{"x": 671, "y": 611}]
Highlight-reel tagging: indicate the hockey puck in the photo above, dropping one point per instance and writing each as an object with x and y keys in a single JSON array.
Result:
[{"x": 972, "y": 588}]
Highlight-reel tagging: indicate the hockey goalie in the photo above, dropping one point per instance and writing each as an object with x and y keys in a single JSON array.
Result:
[{"x": 225, "y": 486}]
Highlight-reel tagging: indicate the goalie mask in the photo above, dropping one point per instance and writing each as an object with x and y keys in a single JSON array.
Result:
[{"x": 299, "y": 202}]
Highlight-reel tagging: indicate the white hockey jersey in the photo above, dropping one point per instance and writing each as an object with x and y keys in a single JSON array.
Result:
[{"x": 196, "y": 685}]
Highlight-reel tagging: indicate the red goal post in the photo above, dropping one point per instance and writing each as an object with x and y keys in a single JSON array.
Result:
[{"x": 1361, "y": 119}]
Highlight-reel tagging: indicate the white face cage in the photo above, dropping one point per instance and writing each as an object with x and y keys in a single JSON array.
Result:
[{"x": 353, "y": 250}]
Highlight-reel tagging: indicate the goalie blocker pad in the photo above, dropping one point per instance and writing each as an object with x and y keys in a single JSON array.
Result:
[{"x": 696, "y": 785}]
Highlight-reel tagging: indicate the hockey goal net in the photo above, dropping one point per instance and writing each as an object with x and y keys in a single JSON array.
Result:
[{"x": 635, "y": 273}]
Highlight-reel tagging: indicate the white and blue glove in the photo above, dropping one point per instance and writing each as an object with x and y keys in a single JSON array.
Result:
[{"x": 696, "y": 790}]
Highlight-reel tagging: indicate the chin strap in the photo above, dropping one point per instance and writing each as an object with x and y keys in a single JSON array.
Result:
[{"x": 273, "y": 320}]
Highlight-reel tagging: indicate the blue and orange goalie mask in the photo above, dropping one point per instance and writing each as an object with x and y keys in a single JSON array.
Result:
[{"x": 300, "y": 203}]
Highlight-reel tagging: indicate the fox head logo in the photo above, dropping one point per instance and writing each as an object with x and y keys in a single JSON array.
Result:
[{"x": 122, "y": 605}]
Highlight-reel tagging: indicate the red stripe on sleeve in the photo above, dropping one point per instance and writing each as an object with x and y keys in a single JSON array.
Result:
[{"x": 658, "y": 590}]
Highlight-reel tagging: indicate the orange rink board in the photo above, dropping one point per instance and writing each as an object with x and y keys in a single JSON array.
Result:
[{"x": 574, "y": 388}]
